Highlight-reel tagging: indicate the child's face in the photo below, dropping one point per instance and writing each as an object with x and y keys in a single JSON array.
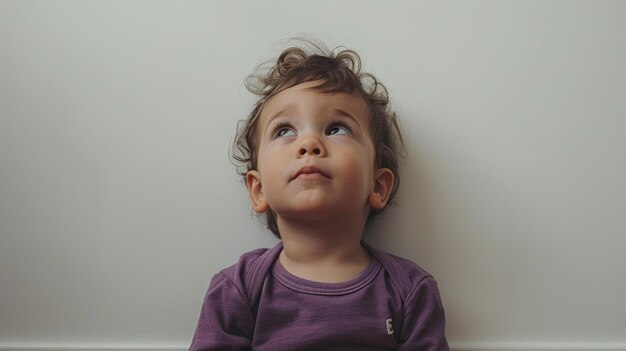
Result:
[{"x": 315, "y": 156}]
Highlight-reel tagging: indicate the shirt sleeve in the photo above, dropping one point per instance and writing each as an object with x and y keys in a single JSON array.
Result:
[
  {"x": 423, "y": 327},
  {"x": 226, "y": 321}
]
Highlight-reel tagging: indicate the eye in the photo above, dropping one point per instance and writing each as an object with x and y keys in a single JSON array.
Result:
[
  {"x": 284, "y": 132},
  {"x": 282, "y": 129},
  {"x": 339, "y": 128}
]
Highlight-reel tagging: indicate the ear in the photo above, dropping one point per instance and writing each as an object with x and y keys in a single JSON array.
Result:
[
  {"x": 383, "y": 184},
  {"x": 255, "y": 191}
]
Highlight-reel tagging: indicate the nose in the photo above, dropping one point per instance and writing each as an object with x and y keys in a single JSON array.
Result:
[{"x": 311, "y": 146}]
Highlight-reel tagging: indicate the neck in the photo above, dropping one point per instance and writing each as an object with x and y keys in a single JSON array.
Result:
[{"x": 328, "y": 251}]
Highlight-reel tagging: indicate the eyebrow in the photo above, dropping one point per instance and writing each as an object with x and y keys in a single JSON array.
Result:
[
  {"x": 276, "y": 114},
  {"x": 346, "y": 114}
]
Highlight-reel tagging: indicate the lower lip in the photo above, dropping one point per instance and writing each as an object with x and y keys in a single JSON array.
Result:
[{"x": 310, "y": 176}]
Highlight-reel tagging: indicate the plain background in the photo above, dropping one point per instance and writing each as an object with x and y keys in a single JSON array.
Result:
[{"x": 118, "y": 201}]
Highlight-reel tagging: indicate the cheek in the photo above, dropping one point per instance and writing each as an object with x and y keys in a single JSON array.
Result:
[
  {"x": 272, "y": 173},
  {"x": 359, "y": 172},
  {"x": 363, "y": 159}
]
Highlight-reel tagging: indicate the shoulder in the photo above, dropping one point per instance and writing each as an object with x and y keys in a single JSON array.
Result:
[
  {"x": 405, "y": 274},
  {"x": 243, "y": 264},
  {"x": 251, "y": 266}
]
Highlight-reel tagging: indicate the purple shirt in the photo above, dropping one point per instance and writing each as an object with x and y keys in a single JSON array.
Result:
[{"x": 369, "y": 312}]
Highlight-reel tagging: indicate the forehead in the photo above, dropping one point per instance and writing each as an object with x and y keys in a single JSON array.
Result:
[{"x": 304, "y": 97}]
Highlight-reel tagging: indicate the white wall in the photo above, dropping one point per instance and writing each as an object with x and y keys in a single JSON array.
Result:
[{"x": 118, "y": 201}]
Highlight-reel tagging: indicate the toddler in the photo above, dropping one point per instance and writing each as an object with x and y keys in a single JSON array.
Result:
[{"x": 319, "y": 156}]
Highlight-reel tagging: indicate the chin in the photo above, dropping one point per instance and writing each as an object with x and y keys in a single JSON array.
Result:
[{"x": 314, "y": 213}]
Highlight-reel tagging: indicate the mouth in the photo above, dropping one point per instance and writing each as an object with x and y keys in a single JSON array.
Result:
[{"x": 310, "y": 172}]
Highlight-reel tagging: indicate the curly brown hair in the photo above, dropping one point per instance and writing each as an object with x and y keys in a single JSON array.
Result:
[{"x": 338, "y": 70}]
